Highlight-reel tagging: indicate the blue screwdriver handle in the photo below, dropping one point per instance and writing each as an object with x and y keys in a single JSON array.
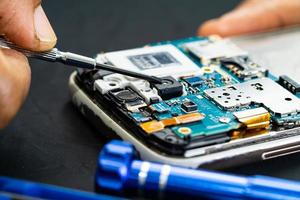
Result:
[{"x": 120, "y": 170}]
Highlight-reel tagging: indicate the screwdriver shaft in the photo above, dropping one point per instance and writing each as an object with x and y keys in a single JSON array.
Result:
[{"x": 75, "y": 60}]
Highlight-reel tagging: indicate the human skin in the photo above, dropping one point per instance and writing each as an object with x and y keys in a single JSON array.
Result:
[
  {"x": 253, "y": 16},
  {"x": 23, "y": 22}
]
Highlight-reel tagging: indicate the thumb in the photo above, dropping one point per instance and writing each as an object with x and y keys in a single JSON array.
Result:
[
  {"x": 254, "y": 16},
  {"x": 25, "y": 23},
  {"x": 14, "y": 83}
]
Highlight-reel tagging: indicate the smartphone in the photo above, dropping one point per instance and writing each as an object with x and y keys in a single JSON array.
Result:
[{"x": 219, "y": 104}]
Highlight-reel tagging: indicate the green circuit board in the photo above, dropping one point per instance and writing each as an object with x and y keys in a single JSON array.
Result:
[{"x": 212, "y": 92}]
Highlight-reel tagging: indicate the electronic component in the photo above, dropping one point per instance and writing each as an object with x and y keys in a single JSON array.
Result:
[
  {"x": 208, "y": 49},
  {"x": 105, "y": 86},
  {"x": 143, "y": 88},
  {"x": 193, "y": 81},
  {"x": 140, "y": 117},
  {"x": 110, "y": 82},
  {"x": 208, "y": 69},
  {"x": 125, "y": 96},
  {"x": 170, "y": 88},
  {"x": 160, "y": 107},
  {"x": 256, "y": 118},
  {"x": 101, "y": 73},
  {"x": 154, "y": 126},
  {"x": 162, "y": 60},
  {"x": 129, "y": 98},
  {"x": 243, "y": 67},
  {"x": 189, "y": 106},
  {"x": 224, "y": 120},
  {"x": 259, "y": 91},
  {"x": 289, "y": 84}
]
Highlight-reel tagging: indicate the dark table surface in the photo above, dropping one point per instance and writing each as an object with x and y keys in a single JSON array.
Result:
[{"x": 49, "y": 141}]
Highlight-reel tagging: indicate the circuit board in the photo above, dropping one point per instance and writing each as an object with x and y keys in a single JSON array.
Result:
[{"x": 212, "y": 93}]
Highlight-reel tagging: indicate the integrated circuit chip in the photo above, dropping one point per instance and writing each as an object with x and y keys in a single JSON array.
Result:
[
  {"x": 193, "y": 81},
  {"x": 160, "y": 107},
  {"x": 162, "y": 60},
  {"x": 189, "y": 106}
]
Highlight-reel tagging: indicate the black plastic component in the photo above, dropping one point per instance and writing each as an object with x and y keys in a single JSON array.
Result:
[
  {"x": 101, "y": 73},
  {"x": 86, "y": 78},
  {"x": 289, "y": 84},
  {"x": 189, "y": 106},
  {"x": 170, "y": 88},
  {"x": 169, "y": 142},
  {"x": 239, "y": 61},
  {"x": 126, "y": 96},
  {"x": 200, "y": 141},
  {"x": 154, "y": 100}
]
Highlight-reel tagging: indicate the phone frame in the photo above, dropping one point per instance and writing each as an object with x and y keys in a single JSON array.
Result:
[{"x": 224, "y": 157}]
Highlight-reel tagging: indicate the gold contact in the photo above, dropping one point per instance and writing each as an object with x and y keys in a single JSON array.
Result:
[
  {"x": 207, "y": 69},
  {"x": 224, "y": 74},
  {"x": 261, "y": 121},
  {"x": 256, "y": 121},
  {"x": 256, "y": 118},
  {"x": 185, "y": 130},
  {"x": 247, "y": 133},
  {"x": 154, "y": 125},
  {"x": 188, "y": 118}
]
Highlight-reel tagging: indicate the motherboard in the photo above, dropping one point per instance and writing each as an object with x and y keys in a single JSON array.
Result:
[{"x": 212, "y": 93}]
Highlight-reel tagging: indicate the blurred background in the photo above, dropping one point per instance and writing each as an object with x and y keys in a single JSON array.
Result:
[{"x": 49, "y": 141}]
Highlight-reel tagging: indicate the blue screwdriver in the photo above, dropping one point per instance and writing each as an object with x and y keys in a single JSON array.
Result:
[{"x": 119, "y": 170}]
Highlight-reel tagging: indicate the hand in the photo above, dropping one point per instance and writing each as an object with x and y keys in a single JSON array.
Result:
[
  {"x": 254, "y": 16},
  {"x": 24, "y": 23}
]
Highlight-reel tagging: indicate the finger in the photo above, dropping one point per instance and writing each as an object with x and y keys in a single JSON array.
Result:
[
  {"x": 247, "y": 3},
  {"x": 241, "y": 22},
  {"x": 14, "y": 83},
  {"x": 25, "y": 23},
  {"x": 254, "y": 16}
]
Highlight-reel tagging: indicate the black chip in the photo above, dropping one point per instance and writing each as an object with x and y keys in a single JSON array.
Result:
[
  {"x": 154, "y": 100},
  {"x": 189, "y": 106},
  {"x": 170, "y": 88},
  {"x": 101, "y": 73},
  {"x": 289, "y": 84}
]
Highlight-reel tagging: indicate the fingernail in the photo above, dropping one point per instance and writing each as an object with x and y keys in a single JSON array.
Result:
[{"x": 43, "y": 27}]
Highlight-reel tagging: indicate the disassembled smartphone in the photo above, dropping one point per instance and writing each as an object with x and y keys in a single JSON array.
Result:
[{"x": 215, "y": 108}]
